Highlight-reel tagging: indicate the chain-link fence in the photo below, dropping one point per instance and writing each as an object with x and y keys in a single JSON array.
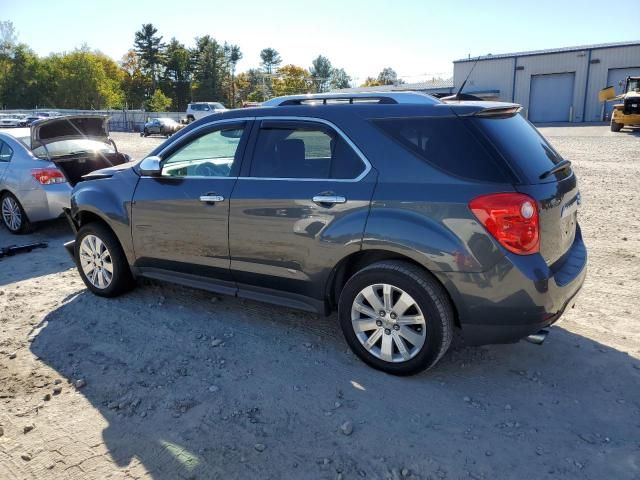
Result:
[{"x": 121, "y": 120}]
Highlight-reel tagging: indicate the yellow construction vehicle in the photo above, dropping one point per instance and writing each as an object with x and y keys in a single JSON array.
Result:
[{"x": 627, "y": 113}]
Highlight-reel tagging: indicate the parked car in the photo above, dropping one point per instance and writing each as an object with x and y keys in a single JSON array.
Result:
[
  {"x": 161, "y": 126},
  {"x": 48, "y": 114},
  {"x": 411, "y": 217},
  {"x": 29, "y": 119},
  {"x": 198, "y": 110},
  {"x": 11, "y": 120},
  {"x": 32, "y": 187}
]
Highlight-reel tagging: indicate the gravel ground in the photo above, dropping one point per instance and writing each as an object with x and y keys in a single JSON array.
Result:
[{"x": 170, "y": 383}]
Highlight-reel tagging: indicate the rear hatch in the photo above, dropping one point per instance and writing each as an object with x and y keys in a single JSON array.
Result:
[
  {"x": 77, "y": 144},
  {"x": 542, "y": 174}
]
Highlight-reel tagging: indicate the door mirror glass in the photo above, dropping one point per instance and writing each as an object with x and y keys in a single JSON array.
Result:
[{"x": 151, "y": 166}]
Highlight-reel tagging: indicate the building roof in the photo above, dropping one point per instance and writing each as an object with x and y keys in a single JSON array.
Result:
[
  {"x": 635, "y": 43},
  {"x": 435, "y": 84}
]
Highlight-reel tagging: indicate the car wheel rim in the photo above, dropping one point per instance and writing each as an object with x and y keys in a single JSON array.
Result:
[
  {"x": 96, "y": 261},
  {"x": 11, "y": 214},
  {"x": 388, "y": 323}
]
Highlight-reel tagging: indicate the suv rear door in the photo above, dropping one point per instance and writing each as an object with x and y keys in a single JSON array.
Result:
[
  {"x": 180, "y": 219},
  {"x": 300, "y": 205}
]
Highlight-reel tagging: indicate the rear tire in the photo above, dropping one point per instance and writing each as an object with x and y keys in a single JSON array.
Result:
[
  {"x": 14, "y": 218},
  {"x": 615, "y": 126},
  {"x": 145, "y": 133},
  {"x": 401, "y": 341},
  {"x": 101, "y": 261}
]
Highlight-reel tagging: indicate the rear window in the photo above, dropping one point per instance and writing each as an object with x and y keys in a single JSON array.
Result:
[
  {"x": 523, "y": 147},
  {"x": 448, "y": 144}
]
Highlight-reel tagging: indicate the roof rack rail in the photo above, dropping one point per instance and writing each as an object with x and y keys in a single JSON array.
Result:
[{"x": 353, "y": 98}]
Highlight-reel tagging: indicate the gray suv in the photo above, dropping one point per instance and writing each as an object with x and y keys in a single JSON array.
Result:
[{"x": 415, "y": 219}]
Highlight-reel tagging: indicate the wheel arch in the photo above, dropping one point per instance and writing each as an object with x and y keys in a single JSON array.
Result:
[{"x": 356, "y": 261}]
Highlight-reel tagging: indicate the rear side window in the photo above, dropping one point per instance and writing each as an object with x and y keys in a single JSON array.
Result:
[
  {"x": 303, "y": 151},
  {"x": 448, "y": 144},
  {"x": 523, "y": 147},
  {"x": 5, "y": 152}
]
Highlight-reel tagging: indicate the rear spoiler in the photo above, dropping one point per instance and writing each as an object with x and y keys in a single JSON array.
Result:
[
  {"x": 485, "y": 109},
  {"x": 498, "y": 111}
]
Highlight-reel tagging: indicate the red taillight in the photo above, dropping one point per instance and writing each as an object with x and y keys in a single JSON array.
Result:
[
  {"x": 512, "y": 218},
  {"x": 48, "y": 176}
]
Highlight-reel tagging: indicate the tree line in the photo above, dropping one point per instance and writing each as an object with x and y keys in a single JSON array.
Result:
[{"x": 155, "y": 75}]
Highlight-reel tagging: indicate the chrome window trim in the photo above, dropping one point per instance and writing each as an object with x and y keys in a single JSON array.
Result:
[
  {"x": 353, "y": 146},
  {"x": 344, "y": 136},
  {"x": 191, "y": 134}
]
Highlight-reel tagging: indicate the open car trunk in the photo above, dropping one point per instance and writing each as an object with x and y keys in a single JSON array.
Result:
[
  {"x": 77, "y": 144},
  {"x": 75, "y": 166}
]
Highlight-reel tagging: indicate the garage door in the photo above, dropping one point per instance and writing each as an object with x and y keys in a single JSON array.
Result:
[
  {"x": 551, "y": 97},
  {"x": 615, "y": 77}
]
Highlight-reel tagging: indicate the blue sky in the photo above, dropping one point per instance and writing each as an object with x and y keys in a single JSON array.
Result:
[{"x": 417, "y": 38}]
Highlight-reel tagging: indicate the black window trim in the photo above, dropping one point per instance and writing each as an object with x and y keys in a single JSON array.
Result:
[{"x": 309, "y": 121}]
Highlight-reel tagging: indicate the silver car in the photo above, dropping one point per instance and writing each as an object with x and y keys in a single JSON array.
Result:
[{"x": 32, "y": 187}]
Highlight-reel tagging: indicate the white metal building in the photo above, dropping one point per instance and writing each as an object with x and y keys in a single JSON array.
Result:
[{"x": 557, "y": 85}]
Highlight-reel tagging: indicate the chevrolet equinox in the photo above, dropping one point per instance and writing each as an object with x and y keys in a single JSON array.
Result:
[{"x": 414, "y": 218}]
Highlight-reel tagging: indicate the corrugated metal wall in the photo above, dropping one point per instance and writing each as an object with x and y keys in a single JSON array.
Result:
[{"x": 503, "y": 74}]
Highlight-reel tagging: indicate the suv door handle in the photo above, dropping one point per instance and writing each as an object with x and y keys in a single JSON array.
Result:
[
  {"x": 329, "y": 199},
  {"x": 211, "y": 198}
]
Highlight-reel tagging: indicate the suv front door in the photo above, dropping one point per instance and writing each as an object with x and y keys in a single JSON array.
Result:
[
  {"x": 299, "y": 206},
  {"x": 180, "y": 218}
]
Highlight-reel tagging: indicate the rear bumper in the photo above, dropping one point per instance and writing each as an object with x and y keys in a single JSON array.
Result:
[{"x": 518, "y": 297}]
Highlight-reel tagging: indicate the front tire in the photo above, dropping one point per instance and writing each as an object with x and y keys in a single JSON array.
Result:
[
  {"x": 615, "y": 126},
  {"x": 14, "y": 218},
  {"x": 396, "y": 317},
  {"x": 101, "y": 261}
]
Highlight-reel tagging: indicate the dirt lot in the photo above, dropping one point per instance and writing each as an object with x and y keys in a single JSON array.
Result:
[{"x": 174, "y": 383}]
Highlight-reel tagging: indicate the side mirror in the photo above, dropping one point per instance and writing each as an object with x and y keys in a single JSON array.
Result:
[{"x": 151, "y": 166}]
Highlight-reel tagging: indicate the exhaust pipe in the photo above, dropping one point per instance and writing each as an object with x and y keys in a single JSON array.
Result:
[{"x": 538, "y": 338}]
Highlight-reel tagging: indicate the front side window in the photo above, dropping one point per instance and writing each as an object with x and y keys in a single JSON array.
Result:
[
  {"x": 303, "y": 151},
  {"x": 210, "y": 155},
  {"x": 6, "y": 152}
]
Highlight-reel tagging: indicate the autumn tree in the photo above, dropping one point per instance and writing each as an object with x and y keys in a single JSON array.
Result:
[
  {"x": 158, "y": 102},
  {"x": 291, "y": 80}
]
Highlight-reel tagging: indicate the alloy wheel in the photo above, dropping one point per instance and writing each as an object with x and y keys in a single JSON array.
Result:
[
  {"x": 96, "y": 261},
  {"x": 388, "y": 323},
  {"x": 11, "y": 214}
]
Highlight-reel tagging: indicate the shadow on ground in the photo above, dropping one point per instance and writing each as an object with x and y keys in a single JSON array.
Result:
[
  {"x": 38, "y": 262},
  {"x": 269, "y": 400}
]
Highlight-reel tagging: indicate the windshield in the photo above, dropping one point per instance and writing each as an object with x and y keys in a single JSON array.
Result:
[
  {"x": 634, "y": 85},
  {"x": 75, "y": 146}
]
